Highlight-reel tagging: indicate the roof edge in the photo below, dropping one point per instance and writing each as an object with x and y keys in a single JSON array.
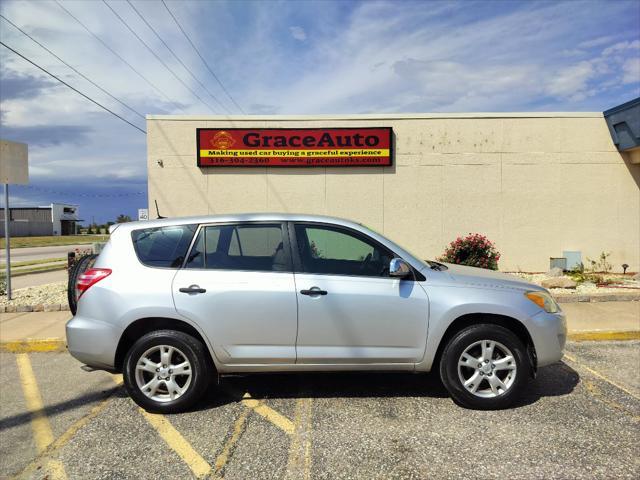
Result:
[
  {"x": 622, "y": 107},
  {"x": 376, "y": 116}
]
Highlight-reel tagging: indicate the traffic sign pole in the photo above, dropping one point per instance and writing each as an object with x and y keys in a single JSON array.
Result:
[{"x": 7, "y": 236}]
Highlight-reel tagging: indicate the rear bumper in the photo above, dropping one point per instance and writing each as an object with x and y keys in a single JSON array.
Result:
[
  {"x": 92, "y": 342},
  {"x": 549, "y": 335}
]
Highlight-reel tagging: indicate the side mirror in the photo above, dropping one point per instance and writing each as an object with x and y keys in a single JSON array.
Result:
[{"x": 399, "y": 268}]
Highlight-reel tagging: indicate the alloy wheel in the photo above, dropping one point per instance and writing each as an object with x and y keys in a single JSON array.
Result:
[
  {"x": 487, "y": 369},
  {"x": 163, "y": 373}
]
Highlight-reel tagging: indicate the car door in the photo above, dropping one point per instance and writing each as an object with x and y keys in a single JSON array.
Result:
[
  {"x": 237, "y": 284},
  {"x": 350, "y": 311}
]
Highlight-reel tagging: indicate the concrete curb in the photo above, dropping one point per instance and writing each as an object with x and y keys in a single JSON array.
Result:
[
  {"x": 598, "y": 297},
  {"x": 18, "y": 273},
  {"x": 53, "y": 307},
  {"x": 30, "y": 345},
  {"x": 604, "y": 335}
]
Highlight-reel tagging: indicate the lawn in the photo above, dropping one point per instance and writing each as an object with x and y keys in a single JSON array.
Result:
[
  {"x": 30, "y": 263},
  {"x": 52, "y": 241}
]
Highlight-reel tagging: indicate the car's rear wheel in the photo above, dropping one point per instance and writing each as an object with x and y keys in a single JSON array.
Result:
[
  {"x": 166, "y": 371},
  {"x": 484, "y": 367}
]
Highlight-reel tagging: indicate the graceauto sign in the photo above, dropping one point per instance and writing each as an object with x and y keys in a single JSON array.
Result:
[{"x": 294, "y": 147}]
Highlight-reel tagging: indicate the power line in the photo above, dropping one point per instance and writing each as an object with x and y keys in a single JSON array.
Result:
[
  {"x": 79, "y": 194},
  {"x": 72, "y": 88},
  {"x": 201, "y": 57},
  {"x": 176, "y": 56},
  {"x": 172, "y": 102},
  {"x": 158, "y": 57},
  {"x": 72, "y": 68}
]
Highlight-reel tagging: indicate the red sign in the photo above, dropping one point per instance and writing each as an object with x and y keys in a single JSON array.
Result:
[{"x": 294, "y": 147}]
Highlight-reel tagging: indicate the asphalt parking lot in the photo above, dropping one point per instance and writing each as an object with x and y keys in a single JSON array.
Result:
[{"x": 579, "y": 419}]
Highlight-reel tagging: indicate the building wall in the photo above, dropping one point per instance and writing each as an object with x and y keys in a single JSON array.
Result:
[
  {"x": 28, "y": 222},
  {"x": 28, "y": 229},
  {"x": 535, "y": 184}
]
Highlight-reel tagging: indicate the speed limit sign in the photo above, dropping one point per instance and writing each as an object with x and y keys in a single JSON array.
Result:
[{"x": 143, "y": 214}]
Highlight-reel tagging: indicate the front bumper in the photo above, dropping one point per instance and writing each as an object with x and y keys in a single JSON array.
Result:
[
  {"x": 549, "y": 334},
  {"x": 93, "y": 342}
]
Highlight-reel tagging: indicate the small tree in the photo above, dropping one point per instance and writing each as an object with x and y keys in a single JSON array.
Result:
[
  {"x": 474, "y": 250},
  {"x": 122, "y": 218}
]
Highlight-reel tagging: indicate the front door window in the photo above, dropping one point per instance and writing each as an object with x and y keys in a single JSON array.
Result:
[{"x": 335, "y": 251}]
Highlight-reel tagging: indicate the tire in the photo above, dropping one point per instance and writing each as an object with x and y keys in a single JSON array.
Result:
[
  {"x": 85, "y": 263},
  {"x": 193, "y": 385},
  {"x": 509, "y": 359}
]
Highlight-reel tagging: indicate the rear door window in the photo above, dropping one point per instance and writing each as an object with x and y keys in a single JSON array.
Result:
[
  {"x": 163, "y": 246},
  {"x": 258, "y": 247}
]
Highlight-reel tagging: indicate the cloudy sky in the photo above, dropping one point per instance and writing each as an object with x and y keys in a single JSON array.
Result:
[{"x": 279, "y": 57}]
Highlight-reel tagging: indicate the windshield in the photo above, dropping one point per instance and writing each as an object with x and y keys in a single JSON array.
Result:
[
  {"x": 432, "y": 264},
  {"x": 405, "y": 253}
]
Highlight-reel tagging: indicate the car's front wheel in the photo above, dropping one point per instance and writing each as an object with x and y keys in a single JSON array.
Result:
[
  {"x": 484, "y": 367},
  {"x": 166, "y": 371}
]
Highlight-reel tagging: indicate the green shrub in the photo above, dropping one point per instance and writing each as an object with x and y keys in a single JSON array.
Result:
[
  {"x": 474, "y": 250},
  {"x": 580, "y": 274},
  {"x": 601, "y": 265}
]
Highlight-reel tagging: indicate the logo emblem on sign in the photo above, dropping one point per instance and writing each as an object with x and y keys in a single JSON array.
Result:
[{"x": 222, "y": 140}]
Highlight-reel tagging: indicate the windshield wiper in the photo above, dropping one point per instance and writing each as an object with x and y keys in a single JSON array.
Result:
[{"x": 436, "y": 266}]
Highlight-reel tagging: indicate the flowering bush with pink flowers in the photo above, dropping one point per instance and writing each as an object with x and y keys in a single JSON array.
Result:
[{"x": 474, "y": 250}]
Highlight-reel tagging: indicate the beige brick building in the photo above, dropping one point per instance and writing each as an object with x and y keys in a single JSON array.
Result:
[{"x": 536, "y": 184}]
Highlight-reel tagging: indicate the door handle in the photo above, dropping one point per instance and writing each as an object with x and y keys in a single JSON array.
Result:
[
  {"x": 313, "y": 291},
  {"x": 192, "y": 289}
]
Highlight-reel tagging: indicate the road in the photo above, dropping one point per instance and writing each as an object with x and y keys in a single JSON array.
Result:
[
  {"x": 578, "y": 419},
  {"x": 35, "y": 279},
  {"x": 39, "y": 253}
]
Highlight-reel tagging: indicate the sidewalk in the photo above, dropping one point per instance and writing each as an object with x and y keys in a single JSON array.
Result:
[
  {"x": 44, "y": 331},
  {"x": 39, "y": 332}
]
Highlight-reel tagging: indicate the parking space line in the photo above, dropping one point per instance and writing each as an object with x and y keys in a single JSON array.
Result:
[
  {"x": 238, "y": 429},
  {"x": 41, "y": 461},
  {"x": 42, "y": 432},
  {"x": 601, "y": 376},
  {"x": 178, "y": 444},
  {"x": 117, "y": 378},
  {"x": 268, "y": 413},
  {"x": 593, "y": 389},
  {"x": 33, "y": 346},
  {"x": 299, "y": 464}
]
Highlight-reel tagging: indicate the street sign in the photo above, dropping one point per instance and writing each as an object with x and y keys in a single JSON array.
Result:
[
  {"x": 14, "y": 166},
  {"x": 143, "y": 214}
]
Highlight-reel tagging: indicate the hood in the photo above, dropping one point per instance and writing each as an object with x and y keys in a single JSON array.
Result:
[{"x": 483, "y": 278}]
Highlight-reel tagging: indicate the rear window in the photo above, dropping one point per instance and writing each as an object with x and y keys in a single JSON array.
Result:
[{"x": 163, "y": 246}]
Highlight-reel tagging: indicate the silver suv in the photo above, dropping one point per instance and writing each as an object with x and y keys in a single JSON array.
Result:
[{"x": 171, "y": 303}]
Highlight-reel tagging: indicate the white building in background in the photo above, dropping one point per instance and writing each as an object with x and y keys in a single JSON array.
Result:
[{"x": 55, "y": 219}]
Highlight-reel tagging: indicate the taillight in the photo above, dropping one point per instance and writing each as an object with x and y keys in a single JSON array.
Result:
[{"x": 89, "y": 278}]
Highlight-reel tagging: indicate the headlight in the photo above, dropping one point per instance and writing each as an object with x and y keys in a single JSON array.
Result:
[{"x": 543, "y": 300}]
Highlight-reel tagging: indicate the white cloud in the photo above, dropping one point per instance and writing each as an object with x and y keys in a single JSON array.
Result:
[
  {"x": 631, "y": 69},
  {"x": 572, "y": 81},
  {"x": 298, "y": 33},
  {"x": 414, "y": 59},
  {"x": 621, "y": 46},
  {"x": 596, "y": 42}
]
